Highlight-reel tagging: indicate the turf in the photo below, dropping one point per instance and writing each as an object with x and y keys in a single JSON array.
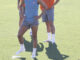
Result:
[{"x": 67, "y": 23}]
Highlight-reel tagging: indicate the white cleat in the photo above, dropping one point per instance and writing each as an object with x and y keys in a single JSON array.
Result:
[
  {"x": 21, "y": 50},
  {"x": 47, "y": 41},
  {"x": 53, "y": 42},
  {"x": 14, "y": 57}
]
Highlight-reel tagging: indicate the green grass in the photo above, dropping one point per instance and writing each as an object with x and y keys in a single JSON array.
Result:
[{"x": 67, "y": 23}]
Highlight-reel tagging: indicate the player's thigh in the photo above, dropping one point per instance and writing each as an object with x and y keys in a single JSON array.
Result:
[
  {"x": 50, "y": 14},
  {"x": 34, "y": 30},
  {"x": 44, "y": 17},
  {"x": 22, "y": 30}
]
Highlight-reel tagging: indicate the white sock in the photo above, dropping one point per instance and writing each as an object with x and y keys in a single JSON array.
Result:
[
  {"x": 22, "y": 46},
  {"x": 30, "y": 31},
  {"x": 49, "y": 36},
  {"x": 53, "y": 37},
  {"x": 34, "y": 50}
]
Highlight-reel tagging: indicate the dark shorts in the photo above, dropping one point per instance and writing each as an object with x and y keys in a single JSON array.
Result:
[
  {"x": 48, "y": 15},
  {"x": 29, "y": 23}
]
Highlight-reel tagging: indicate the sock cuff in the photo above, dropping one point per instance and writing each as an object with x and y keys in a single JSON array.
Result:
[
  {"x": 22, "y": 45},
  {"x": 53, "y": 34},
  {"x": 34, "y": 48},
  {"x": 49, "y": 34}
]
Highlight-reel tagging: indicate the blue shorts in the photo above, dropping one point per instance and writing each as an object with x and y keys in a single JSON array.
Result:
[
  {"x": 30, "y": 23},
  {"x": 48, "y": 15}
]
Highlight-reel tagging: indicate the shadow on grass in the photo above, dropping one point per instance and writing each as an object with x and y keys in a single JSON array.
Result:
[
  {"x": 29, "y": 47},
  {"x": 53, "y": 53},
  {"x": 22, "y": 58}
]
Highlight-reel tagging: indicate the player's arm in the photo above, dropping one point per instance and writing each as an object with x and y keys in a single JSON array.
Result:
[
  {"x": 45, "y": 7},
  {"x": 56, "y": 1},
  {"x": 18, "y": 4},
  {"x": 43, "y": 4},
  {"x": 21, "y": 3},
  {"x": 21, "y": 6},
  {"x": 23, "y": 9}
]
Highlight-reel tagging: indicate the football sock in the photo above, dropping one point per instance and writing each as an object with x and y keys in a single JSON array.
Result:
[{"x": 49, "y": 36}]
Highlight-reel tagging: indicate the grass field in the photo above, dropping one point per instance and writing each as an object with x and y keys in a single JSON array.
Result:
[{"x": 67, "y": 23}]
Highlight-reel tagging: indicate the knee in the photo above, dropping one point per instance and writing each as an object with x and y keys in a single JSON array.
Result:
[
  {"x": 52, "y": 25},
  {"x": 19, "y": 36}
]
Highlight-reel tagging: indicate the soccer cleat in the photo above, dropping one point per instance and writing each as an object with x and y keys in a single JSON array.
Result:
[
  {"x": 47, "y": 41},
  {"x": 21, "y": 50},
  {"x": 14, "y": 57},
  {"x": 52, "y": 41}
]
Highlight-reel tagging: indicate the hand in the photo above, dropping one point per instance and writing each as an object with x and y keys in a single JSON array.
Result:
[
  {"x": 18, "y": 7},
  {"x": 22, "y": 15},
  {"x": 37, "y": 17},
  {"x": 53, "y": 6}
]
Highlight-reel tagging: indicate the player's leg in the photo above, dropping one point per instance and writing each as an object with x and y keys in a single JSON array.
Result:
[
  {"x": 51, "y": 22},
  {"x": 48, "y": 30},
  {"x": 34, "y": 35},
  {"x": 45, "y": 19},
  {"x": 52, "y": 31},
  {"x": 21, "y": 32}
]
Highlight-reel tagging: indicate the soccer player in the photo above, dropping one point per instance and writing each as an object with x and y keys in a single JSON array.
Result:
[
  {"x": 48, "y": 18},
  {"x": 21, "y": 17},
  {"x": 30, "y": 21}
]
